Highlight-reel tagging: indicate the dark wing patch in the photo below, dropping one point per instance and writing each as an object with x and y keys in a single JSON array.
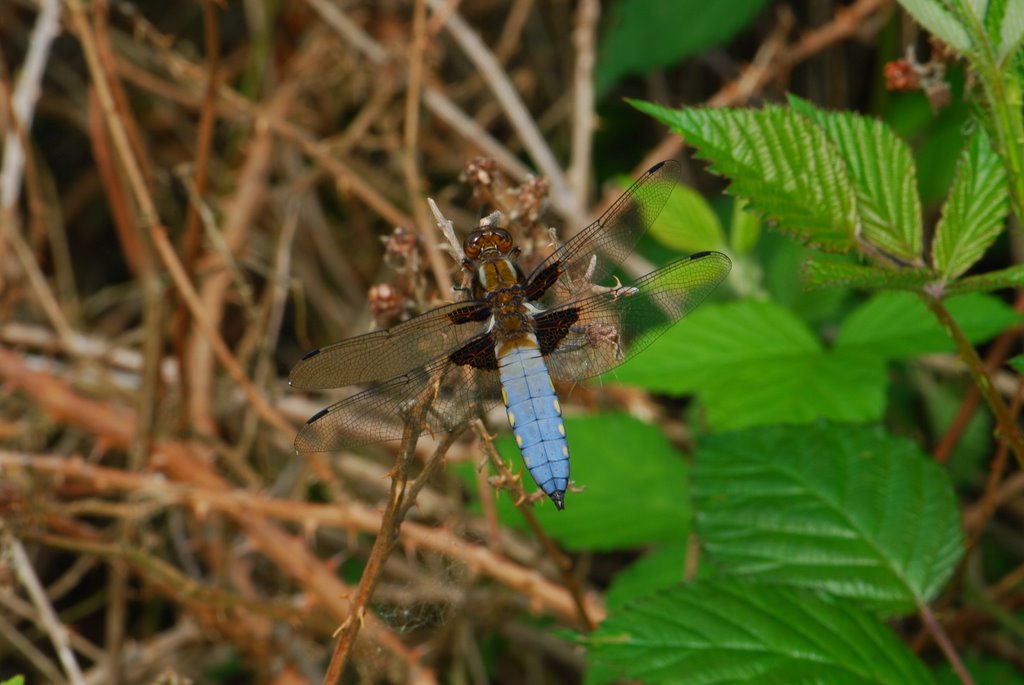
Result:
[
  {"x": 474, "y": 312},
  {"x": 478, "y": 353},
  {"x": 542, "y": 280},
  {"x": 618, "y": 324},
  {"x": 552, "y": 327}
]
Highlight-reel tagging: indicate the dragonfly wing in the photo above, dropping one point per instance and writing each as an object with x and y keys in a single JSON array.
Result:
[
  {"x": 456, "y": 393},
  {"x": 391, "y": 352},
  {"x": 593, "y": 253},
  {"x": 595, "y": 334}
]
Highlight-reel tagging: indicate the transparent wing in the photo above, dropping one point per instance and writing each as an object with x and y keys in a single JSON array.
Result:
[
  {"x": 588, "y": 258},
  {"x": 593, "y": 253},
  {"x": 392, "y": 352},
  {"x": 600, "y": 332},
  {"x": 378, "y": 414}
]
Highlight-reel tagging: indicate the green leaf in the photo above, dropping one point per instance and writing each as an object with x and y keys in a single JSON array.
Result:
[
  {"x": 687, "y": 223},
  {"x": 832, "y": 273},
  {"x": 715, "y": 338},
  {"x": 1017, "y": 363},
  {"x": 934, "y": 17},
  {"x": 783, "y": 260},
  {"x": 754, "y": 363},
  {"x": 899, "y": 325},
  {"x": 991, "y": 15},
  {"x": 978, "y": 7},
  {"x": 1010, "y": 277},
  {"x": 725, "y": 631},
  {"x": 1012, "y": 30},
  {"x": 16, "y": 680},
  {"x": 744, "y": 229},
  {"x": 645, "y": 35},
  {"x": 844, "y": 509},
  {"x": 615, "y": 459},
  {"x": 975, "y": 210},
  {"x": 659, "y": 570},
  {"x": 780, "y": 162},
  {"x": 883, "y": 174},
  {"x": 836, "y": 385}
]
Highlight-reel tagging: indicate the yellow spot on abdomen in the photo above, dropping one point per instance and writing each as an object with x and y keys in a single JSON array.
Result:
[
  {"x": 504, "y": 396},
  {"x": 558, "y": 407},
  {"x": 565, "y": 450},
  {"x": 519, "y": 440},
  {"x": 511, "y": 419},
  {"x": 561, "y": 429}
]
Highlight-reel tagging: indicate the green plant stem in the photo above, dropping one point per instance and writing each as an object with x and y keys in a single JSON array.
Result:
[
  {"x": 1003, "y": 95},
  {"x": 1005, "y": 423}
]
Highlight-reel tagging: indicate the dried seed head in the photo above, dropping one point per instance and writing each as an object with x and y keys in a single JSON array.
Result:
[
  {"x": 386, "y": 304},
  {"x": 401, "y": 249}
]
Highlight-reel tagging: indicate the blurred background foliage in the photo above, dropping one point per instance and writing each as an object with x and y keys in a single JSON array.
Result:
[{"x": 148, "y": 479}]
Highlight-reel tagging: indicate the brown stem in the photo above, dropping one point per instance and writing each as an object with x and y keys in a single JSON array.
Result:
[
  {"x": 944, "y": 643},
  {"x": 997, "y": 353},
  {"x": 564, "y": 564},
  {"x": 1006, "y": 426},
  {"x": 410, "y": 168},
  {"x": 114, "y": 426},
  {"x": 989, "y": 498},
  {"x": 400, "y": 498},
  {"x": 154, "y": 490},
  {"x": 190, "y": 244}
]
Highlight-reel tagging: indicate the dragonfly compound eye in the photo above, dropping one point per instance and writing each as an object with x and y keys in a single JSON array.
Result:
[
  {"x": 499, "y": 336},
  {"x": 502, "y": 239},
  {"x": 495, "y": 240},
  {"x": 472, "y": 244}
]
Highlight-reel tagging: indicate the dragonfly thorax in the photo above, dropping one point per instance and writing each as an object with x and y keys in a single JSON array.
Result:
[
  {"x": 498, "y": 282},
  {"x": 494, "y": 276},
  {"x": 512, "y": 338}
]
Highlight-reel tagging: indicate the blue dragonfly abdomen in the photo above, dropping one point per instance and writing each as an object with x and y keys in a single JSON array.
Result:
[
  {"x": 512, "y": 336},
  {"x": 536, "y": 417}
]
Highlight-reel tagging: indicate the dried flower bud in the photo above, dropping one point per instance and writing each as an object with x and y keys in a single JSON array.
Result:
[
  {"x": 532, "y": 196},
  {"x": 386, "y": 304},
  {"x": 481, "y": 172},
  {"x": 401, "y": 249},
  {"x": 929, "y": 77},
  {"x": 901, "y": 75}
]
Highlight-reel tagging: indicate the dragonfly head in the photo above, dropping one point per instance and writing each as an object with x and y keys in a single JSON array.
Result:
[{"x": 488, "y": 242}]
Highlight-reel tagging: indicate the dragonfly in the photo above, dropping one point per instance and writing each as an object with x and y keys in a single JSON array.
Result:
[{"x": 512, "y": 337}]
